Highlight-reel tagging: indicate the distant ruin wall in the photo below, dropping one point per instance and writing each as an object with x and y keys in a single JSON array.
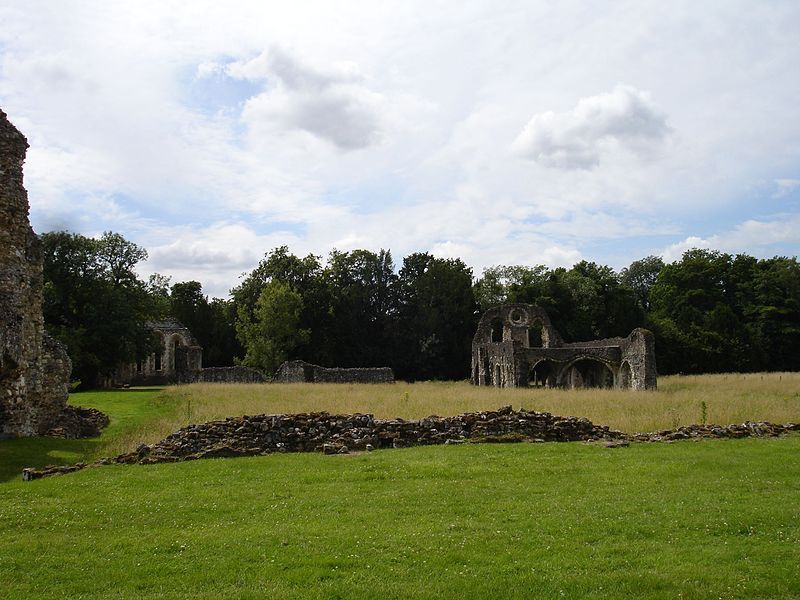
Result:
[
  {"x": 298, "y": 371},
  {"x": 227, "y": 375},
  {"x": 34, "y": 369}
]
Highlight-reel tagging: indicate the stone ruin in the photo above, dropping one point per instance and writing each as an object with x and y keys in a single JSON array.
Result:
[
  {"x": 179, "y": 360},
  {"x": 260, "y": 435},
  {"x": 298, "y": 371},
  {"x": 34, "y": 368},
  {"x": 516, "y": 345}
]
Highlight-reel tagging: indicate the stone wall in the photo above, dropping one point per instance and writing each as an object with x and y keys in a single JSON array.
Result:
[
  {"x": 236, "y": 374},
  {"x": 34, "y": 369},
  {"x": 298, "y": 371}
]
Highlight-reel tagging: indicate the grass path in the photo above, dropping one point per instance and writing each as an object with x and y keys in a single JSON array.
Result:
[
  {"x": 706, "y": 519},
  {"x": 132, "y": 412}
]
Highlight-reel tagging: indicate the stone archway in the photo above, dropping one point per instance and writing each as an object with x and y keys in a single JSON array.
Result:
[
  {"x": 586, "y": 372},
  {"x": 543, "y": 374}
]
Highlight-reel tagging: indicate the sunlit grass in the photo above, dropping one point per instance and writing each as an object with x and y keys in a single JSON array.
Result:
[
  {"x": 729, "y": 398},
  {"x": 139, "y": 416},
  {"x": 714, "y": 519}
]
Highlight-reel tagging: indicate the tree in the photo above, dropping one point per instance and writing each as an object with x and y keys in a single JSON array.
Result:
[
  {"x": 212, "y": 323},
  {"x": 640, "y": 277},
  {"x": 272, "y": 331},
  {"x": 94, "y": 303},
  {"x": 437, "y": 318},
  {"x": 361, "y": 287},
  {"x": 697, "y": 314}
]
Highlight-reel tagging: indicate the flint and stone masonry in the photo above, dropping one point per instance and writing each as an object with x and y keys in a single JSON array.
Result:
[
  {"x": 516, "y": 345},
  {"x": 298, "y": 371},
  {"x": 34, "y": 368}
]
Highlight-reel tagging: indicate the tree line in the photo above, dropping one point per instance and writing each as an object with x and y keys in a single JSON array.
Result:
[{"x": 710, "y": 311}]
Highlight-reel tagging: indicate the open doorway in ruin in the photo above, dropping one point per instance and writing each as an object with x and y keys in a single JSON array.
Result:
[
  {"x": 587, "y": 373},
  {"x": 543, "y": 374}
]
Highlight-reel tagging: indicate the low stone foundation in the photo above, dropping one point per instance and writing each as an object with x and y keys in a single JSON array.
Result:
[
  {"x": 299, "y": 371},
  {"x": 237, "y": 374}
]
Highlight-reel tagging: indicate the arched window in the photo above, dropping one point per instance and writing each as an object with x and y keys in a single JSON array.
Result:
[
  {"x": 625, "y": 375},
  {"x": 497, "y": 330},
  {"x": 535, "y": 335},
  {"x": 176, "y": 343}
]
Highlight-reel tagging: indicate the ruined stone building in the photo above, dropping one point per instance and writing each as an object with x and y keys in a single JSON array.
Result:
[
  {"x": 516, "y": 345},
  {"x": 298, "y": 371},
  {"x": 34, "y": 368},
  {"x": 179, "y": 359}
]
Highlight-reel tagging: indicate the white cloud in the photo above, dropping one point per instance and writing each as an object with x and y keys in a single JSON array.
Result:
[
  {"x": 334, "y": 105},
  {"x": 390, "y": 125},
  {"x": 785, "y": 187},
  {"x": 576, "y": 139},
  {"x": 755, "y": 237},
  {"x": 216, "y": 255}
]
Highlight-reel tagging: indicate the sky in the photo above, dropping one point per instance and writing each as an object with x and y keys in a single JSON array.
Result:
[{"x": 500, "y": 133}]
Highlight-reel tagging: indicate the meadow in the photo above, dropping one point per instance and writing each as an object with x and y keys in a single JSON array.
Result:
[
  {"x": 728, "y": 398},
  {"x": 716, "y": 518}
]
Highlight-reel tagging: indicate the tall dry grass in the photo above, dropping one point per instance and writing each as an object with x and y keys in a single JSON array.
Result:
[{"x": 729, "y": 398}]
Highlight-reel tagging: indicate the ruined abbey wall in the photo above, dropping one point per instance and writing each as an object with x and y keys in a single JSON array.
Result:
[
  {"x": 298, "y": 371},
  {"x": 516, "y": 345},
  {"x": 34, "y": 369}
]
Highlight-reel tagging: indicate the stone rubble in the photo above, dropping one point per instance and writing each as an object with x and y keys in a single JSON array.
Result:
[
  {"x": 75, "y": 422},
  {"x": 341, "y": 434}
]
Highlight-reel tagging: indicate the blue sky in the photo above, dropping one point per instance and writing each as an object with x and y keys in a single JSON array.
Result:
[{"x": 513, "y": 133}]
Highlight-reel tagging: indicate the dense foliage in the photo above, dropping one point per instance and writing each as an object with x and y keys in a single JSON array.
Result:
[
  {"x": 710, "y": 311},
  {"x": 94, "y": 303}
]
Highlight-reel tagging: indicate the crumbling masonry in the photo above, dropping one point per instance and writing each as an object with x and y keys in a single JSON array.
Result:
[
  {"x": 34, "y": 368},
  {"x": 516, "y": 345},
  {"x": 298, "y": 371}
]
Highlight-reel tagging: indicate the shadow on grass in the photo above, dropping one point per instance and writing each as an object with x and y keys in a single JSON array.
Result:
[{"x": 127, "y": 409}]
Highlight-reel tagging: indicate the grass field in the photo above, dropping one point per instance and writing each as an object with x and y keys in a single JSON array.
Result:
[
  {"x": 689, "y": 519},
  {"x": 729, "y": 398}
]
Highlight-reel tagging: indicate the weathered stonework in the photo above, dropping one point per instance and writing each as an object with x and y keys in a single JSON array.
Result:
[
  {"x": 237, "y": 374},
  {"x": 34, "y": 368},
  {"x": 179, "y": 360},
  {"x": 298, "y": 371},
  {"x": 516, "y": 345},
  {"x": 339, "y": 434}
]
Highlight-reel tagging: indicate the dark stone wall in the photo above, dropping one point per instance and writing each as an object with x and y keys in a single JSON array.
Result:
[
  {"x": 236, "y": 374},
  {"x": 298, "y": 371},
  {"x": 34, "y": 369}
]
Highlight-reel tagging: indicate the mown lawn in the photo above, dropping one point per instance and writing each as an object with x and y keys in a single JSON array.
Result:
[
  {"x": 707, "y": 519},
  {"x": 131, "y": 412},
  {"x": 687, "y": 519}
]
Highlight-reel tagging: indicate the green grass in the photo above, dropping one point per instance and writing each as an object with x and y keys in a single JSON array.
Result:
[
  {"x": 717, "y": 518},
  {"x": 730, "y": 398},
  {"x": 130, "y": 412},
  {"x": 708, "y": 519}
]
